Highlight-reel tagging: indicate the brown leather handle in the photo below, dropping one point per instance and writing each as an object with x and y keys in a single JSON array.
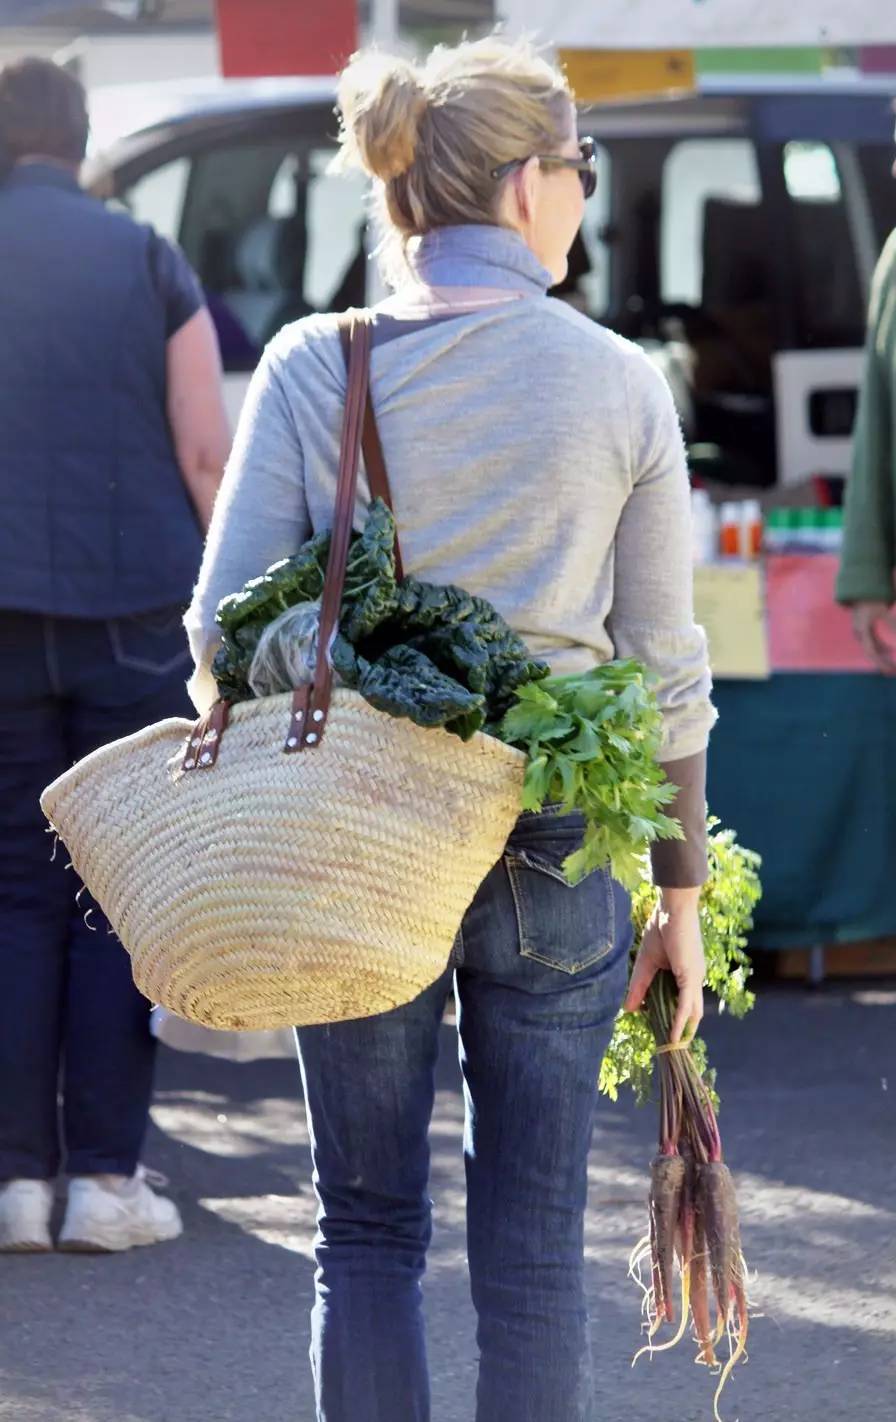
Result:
[
  {"x": 311, "y": 704},
  {"x": 371, "y": 446}
]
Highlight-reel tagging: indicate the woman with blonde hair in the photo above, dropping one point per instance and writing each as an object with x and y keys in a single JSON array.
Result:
[{"x": 536, "y": 460}]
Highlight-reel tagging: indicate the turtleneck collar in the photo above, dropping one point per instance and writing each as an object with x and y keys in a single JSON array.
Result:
[{"x": 472, "y": 255}]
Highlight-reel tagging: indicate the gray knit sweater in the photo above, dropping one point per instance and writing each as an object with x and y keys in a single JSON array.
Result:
[{"x": 535, "y": 459}]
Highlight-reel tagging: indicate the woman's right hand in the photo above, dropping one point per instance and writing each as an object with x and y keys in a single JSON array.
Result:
[{"x": 672, "y": 941}]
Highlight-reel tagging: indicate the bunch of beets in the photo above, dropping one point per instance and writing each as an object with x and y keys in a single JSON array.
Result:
[{"x": 692, "y": 1207}]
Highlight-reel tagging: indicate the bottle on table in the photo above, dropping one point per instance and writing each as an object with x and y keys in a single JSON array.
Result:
[
  {"x": 730, "y": 531},
  {"x": 704, "y": 529},
  {"x": 750, "y": 529}
]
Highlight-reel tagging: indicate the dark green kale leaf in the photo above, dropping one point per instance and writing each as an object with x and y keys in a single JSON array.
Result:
[
  {"x": 346, "y": 662},
  {"x": 296, "y": 579},
  {"x": 405, "y": 682},
  {"x": 231, "y": 686},
  {"x": 370, "y": 593},
  {"x": 466, "y": 637},
  {"x": 234, "y": 660},
  {"x": 436, "y": 654}
]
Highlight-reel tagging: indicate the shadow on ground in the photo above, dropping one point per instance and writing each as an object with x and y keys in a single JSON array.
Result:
[{"x": 214, "y": 1327}]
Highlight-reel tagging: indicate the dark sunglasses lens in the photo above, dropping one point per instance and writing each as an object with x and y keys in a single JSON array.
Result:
[{"x": 589, "y": 179}]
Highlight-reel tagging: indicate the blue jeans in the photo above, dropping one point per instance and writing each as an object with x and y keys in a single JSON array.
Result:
[
  {"x": 70, "y": 1015},
  {"x": 539, "y": 975}
]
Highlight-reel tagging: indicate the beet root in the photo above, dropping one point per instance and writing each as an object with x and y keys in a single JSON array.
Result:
[
  {"x": 699, "y": 1282},
  {"x": 717, "y": 1210},
  {"x": 667, "y": 1184}
]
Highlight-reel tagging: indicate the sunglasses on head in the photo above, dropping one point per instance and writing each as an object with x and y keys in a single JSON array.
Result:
[{"x": 585, "y": 165}]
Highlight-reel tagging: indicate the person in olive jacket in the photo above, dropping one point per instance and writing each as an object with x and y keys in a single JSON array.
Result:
[
  {"x": 114, "y": 441},
  {"x": 868, "y": 564}
]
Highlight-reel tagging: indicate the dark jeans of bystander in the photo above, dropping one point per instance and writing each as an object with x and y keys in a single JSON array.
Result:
[{"x": 71, "y": 1020}]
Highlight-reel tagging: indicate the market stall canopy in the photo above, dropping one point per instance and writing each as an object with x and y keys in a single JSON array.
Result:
[{"x": 643, "y": 24}]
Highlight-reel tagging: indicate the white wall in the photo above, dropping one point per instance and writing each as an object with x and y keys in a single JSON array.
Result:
[
  {"x": 143, "y": 58},
  {"x": 118, "y": 59}
]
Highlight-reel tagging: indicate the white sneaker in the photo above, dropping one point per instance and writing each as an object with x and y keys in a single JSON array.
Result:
[
  {"x": 112, "y": 1212},
  {"x": 25, "y": 1207}
]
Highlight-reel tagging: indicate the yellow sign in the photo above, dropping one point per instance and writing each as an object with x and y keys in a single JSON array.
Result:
[
  {"x": 729, "y": 603},
  {"x": 601, "y": 74}
]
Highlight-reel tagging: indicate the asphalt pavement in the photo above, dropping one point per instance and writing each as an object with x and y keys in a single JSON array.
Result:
[{"x": 213, "y": 1328}]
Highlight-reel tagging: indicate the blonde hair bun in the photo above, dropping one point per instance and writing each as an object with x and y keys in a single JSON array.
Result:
[{"x": 382, "y": 100}]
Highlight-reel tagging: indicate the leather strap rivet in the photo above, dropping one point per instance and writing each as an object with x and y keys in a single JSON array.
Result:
[
  {"x": 311, "y": 738},
  {"x": 205, "y": 758},
  {"x": 211, "y": 734},
  {"x": 196, "y": 742},
  {"x": 292, "y": 741},
  {"x": 318, "y": 715},
  {"x": 299, "y": 715},
  {"x": 189, "y": 764}
]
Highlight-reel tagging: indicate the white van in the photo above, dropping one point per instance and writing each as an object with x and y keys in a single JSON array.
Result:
[{"x": 734, "y": 233}]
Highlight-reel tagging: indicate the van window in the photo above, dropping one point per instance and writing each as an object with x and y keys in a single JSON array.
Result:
[
  {"x": 158, "y": 197},
  {"x": 810, "y": 172},
  {"x": 830, "y": 301},
  {"x": 335, "y": 264},
  {"x": 716, "y": 297},
  {"x": 709, "y": 188},
  {"x": 271, "y": 234}
]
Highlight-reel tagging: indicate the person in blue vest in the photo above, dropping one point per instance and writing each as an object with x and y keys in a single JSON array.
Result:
[{"x": 114, "y": 438}]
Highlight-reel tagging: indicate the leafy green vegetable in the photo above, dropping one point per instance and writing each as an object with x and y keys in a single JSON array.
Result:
[
  {"x": 404, "y": 682},
  {"x": 592, "y": 742},
  {"x": 467, "y": 640},
  {"x": 292, "y": 580},
  {"x": 371, "y": 592},
  {"x": 243, "y": 616},
  {"x": 233, "y": 660},
  {"x": 460, "y": 663},
  {"x": 729, "y": 897}
]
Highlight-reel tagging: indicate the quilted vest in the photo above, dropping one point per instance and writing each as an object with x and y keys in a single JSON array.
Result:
[{"x": 95, "y": 518}]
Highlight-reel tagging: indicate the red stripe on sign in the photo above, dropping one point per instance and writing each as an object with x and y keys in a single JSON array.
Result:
[
  {"x": 279, "y": 37},
  {"x": 878, "y": 59}
]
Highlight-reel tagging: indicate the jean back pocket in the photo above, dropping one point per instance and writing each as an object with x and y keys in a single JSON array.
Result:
[
  {"x": 565, "y": 926},
  {"x": 150, "y": 642}
]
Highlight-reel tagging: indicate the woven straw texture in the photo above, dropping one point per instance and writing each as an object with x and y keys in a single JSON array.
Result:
[{"x": 273, "y": 889}]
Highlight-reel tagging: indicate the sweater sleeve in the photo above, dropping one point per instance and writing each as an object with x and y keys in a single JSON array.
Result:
[
  {"x": 652, "y": 618},
  {"x": 869, "y": 547},
  {"x": 260, "y": 514}
]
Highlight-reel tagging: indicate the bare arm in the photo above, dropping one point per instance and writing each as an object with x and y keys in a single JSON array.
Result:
[{"x": 196, "y": 413}]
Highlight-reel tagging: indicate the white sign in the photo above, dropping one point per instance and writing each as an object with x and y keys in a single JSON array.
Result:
[{"x": 686, "y": 24}]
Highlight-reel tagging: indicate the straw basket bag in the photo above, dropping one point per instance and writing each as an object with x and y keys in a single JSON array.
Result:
[{"x": 296, "y": 859}]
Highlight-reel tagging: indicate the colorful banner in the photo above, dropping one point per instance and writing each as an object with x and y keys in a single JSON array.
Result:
[
  {"x": 809, "y": 59},
  {"x": 604, "y": 74},
  {"x": 270, "y": 37}
]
